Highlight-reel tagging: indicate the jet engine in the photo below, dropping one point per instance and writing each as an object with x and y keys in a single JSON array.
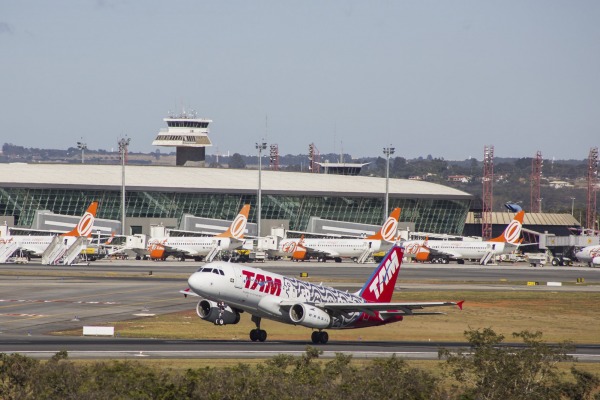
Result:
[
  {"x": 596, "y": 260},
  {"x": 209, "y": 311},
  {"x": 309, "y": 316}
]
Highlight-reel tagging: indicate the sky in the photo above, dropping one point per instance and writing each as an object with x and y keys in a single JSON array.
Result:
[{"x": 441, "y": 78}]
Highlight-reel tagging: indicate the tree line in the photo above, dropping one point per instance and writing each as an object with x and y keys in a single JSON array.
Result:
[{"x": 489, "y": 369}]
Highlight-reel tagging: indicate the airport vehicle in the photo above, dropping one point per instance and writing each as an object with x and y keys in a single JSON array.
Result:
[
  {"x": 358, "y": 249},
  {"x": 590, "y": 255},
  {"x": 442, "y": 251},
  {"x": 37, "y": 245},
  {"x": 228, "y": 289},
  {"x": 201, "y": 247}
]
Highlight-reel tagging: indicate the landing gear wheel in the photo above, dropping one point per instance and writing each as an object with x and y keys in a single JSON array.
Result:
[
  {"x": 315, "y": 337},
  {"x": 257, "y": 335},
  {"x": 319, "y": 337},
  {"x": 262, "y": 335}
]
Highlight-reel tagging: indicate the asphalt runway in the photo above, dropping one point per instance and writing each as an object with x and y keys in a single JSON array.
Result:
[{"x": 37, "y": 299}]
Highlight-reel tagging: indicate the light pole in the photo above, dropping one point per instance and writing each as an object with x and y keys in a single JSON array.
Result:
[
  {"x": 81, "y": 146},
  {"x": 388, "y": 151},
  {"x": 572, "y": 205},
  {"x": 123, "y": 145},
  {"x": 260, "y": 147}
]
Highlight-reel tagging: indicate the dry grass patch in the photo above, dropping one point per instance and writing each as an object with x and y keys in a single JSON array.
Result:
[{"x": 559, "y": 315}]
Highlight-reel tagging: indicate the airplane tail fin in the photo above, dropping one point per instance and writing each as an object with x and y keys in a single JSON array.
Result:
[
  {"x": 238, "y": 226},
  {"x": 86, "y": 222},
  {"x": 380, "y": 286},
  {"x": 512, "y": 233},
  {"x": 389, "y": 228}
]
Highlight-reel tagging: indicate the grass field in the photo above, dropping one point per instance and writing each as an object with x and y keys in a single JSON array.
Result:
[{"x": 573, "y": 316}]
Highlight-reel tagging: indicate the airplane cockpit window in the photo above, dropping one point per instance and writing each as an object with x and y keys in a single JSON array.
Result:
[{"x": 213, "y": 270}]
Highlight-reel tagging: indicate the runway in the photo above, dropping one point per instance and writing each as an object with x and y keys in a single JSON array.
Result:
[
  {"x": 37, "y": 299},
  {"x": 123, "y": 348}
]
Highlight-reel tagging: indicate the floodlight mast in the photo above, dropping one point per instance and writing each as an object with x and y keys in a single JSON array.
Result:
[
  {"x": 388, "y": 151},
  {"x": 260, "y": 147},
  {"x": 123, "y": 146}
]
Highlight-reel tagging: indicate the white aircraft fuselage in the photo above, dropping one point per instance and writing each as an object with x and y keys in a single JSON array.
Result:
[{"x": 590, "y": 255}]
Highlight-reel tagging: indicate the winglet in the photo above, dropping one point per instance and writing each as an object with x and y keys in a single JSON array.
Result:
[
  {"x": 238, "y": 226},
  {"x": 460, "y": 304},
  {"x": 512, "y": 232},
  {"x": 86, "y": 222},
  {"x": 389, "y": 229}
]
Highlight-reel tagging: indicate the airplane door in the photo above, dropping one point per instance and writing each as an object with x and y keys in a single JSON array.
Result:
[{"x": 239, "y": 277}]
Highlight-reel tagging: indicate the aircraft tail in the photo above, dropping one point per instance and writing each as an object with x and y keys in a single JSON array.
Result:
[
  {"x": 389, "y": 228},
  {"x": 512, "y": 233},
  {"x": 379, "y": 288},
  {"x": 238, "y": 226},
  {"x": 86, "y": 223}
]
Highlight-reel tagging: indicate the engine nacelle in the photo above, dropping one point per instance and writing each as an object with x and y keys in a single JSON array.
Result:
[
  {"x": 209, "y": 311},
  {"x": 309, "y": 316},
  {"x": 596, "y": 261}
]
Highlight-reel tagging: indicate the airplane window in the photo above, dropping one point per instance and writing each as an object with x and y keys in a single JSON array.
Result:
[
  {"x": 207, "y": 270},
  {"x": 221, "y": 272},
  {"x": 215, "y": 271}
]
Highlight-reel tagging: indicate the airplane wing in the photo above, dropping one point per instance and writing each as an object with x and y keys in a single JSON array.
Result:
[{"x": 385, "y": 309}]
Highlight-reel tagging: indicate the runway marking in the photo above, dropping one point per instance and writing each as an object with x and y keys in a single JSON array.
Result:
[
  {"x": 57, "y": 301},
  {"x": 22, "y": 315}
]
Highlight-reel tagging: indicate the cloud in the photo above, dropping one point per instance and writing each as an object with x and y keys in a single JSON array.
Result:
[{"x": 5, "y": 28}]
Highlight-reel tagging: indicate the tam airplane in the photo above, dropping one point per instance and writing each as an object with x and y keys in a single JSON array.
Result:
[
  {"x": 590, "y": 255},
  {"x": 191, "y": 246},
  {"x": 301, "y": 249},
  {"x": 36, "y": 244},
  {"x": 441, "y": 251},
  {"x": 228, "y": 289}
]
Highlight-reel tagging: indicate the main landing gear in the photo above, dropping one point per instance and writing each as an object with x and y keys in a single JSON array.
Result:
[
  {"x": 257, "y": 335},
  {"x": 319, "y": 337}
]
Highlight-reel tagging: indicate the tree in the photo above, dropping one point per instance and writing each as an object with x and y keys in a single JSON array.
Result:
[
  {"x": 236, "y": 161},
  {"x": 492, "y": 370}
]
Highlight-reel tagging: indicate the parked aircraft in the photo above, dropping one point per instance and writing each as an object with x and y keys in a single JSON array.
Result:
[
  {"x": 200, "y": 247},
  {"x": 590, "y": 255},
  {"x": 357, "y": 249},
  {"x": 229, "y": 289},
  {"x": 35, "y": 245},
  {"x": 442, "y": 251}
]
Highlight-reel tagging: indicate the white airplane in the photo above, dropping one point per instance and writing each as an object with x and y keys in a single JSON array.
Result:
[
  {"x": 301, "y": 249},
  {"x": 36, "y": 244},
  {"x": 228, "y": 289},
  {"x": 442, "y": 251},
  {"x": 590, "y": 255},
  {"x": 197, "y": 247}
]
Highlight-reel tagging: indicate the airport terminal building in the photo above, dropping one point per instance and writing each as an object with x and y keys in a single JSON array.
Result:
[{"x": 165, "y": 194}]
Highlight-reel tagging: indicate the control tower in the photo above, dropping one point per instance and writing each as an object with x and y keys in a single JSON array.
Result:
[{"x": 189, "y": 134}]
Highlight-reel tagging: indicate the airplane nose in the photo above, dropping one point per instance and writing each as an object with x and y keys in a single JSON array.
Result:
[{"x": 195, "y": 281}]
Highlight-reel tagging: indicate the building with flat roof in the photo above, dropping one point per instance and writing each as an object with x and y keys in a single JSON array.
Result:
[{"x": 161, "y": 194}]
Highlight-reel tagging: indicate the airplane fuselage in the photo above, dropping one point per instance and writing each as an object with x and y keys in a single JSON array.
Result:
[
  {"x": 268, "y": 295},
  {"x": 192, "y": 246},
  {"x": 590, "y": 255},
  {"x": 343, "y": 248},
  {"x": 459, "y": 249}
]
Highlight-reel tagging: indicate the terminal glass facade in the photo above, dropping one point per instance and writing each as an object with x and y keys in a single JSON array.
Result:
[{"x": 435, "y": 215}]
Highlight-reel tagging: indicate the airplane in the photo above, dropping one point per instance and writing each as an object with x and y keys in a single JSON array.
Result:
[
  {"x": 302, "y": 249},
  {"x": 228, "y": 289},
  {"x": 442, "y": 251},
  {"x": 199, "y": 247},
  {"x": 35, "y": 245},
  {"x": 590, "y": 255}
]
